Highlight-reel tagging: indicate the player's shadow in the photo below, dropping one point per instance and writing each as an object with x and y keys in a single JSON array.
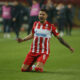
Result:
[
  {"x": 59, "y": 72},
  {"x": 62, "y": 72}
]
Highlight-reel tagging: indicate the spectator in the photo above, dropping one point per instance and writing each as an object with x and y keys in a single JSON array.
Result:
[
  {"x": 61, "y": 18},
  {"x": 69, "y": 19},
  {"x": 34, "y": 11},
  {"x": 6, "y": 15},
  {"x": 17, "y": 17}
]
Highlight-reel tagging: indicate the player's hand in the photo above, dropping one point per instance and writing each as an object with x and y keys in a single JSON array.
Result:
[
  {"x": 72, "y": 50},
  {"x": 20, "y": 40}
]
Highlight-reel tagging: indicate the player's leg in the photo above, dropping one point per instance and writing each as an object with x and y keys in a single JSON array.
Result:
[
  {"x": 24, "y": 67},
  {"x": 40, "y": 62},
  {"x": 27, "y": 65},
  {"x": 8, "y": 27},
  {"x": 15, "y": 29},
  {"x": 4, "y": 23},
  {"x": 30, "y": 25},
  {"x": 70, "y": 27}
]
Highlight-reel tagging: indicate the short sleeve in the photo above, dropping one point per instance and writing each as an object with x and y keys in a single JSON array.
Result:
[
  {"x": 54, "y": 30},
  {"x": 33, "y": 27}
]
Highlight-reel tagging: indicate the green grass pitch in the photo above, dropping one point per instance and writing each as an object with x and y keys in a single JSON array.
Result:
[{"x": 61, "y": 65}]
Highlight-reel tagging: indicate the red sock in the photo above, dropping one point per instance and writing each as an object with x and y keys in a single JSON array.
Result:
[
  {"x": 26, "y": 70},
  {"x": 37, "y": 69}
]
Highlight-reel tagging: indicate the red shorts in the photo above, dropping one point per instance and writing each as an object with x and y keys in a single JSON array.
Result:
[{"x": 31, "y": 58}]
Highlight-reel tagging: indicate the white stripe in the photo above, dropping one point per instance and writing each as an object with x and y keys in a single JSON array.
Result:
[
  {"x": 36, "y": 25},
  {"x": 38, "y": 44},
  {"x": 41, "y": 27},
  {"x": 47, "y": 45},
  {"x": 43, "y": 45},
  {"x": 33, "y": 48}
]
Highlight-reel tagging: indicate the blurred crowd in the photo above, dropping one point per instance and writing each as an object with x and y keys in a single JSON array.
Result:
[{"x": 13, "y": 16}]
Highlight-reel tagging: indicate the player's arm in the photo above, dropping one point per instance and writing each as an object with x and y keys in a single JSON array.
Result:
[
  {"x": 61, "y": 40},
  {"x": 29, "y": 37},
  {"x": 56, "y": 34}
]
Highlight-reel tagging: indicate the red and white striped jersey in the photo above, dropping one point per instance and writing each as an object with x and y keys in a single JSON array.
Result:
[{"x": 42, "y": 34}]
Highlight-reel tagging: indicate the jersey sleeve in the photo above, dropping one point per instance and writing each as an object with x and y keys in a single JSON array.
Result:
[
  {"x": 54, "y": 30},
  {"x": 33, "y": 27}
]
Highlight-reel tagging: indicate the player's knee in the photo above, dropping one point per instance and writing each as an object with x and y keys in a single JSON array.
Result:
[
  {"x": 24, "y": 66},
  {"x": 23, "y": 70},
  {"x": 38, "y": 69}
]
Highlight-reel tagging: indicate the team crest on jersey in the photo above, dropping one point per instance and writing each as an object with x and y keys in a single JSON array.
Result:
[{"x": 46, "y": 26}]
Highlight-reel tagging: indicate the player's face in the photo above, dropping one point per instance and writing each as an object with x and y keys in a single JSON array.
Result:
[{"x": 42, "y": 16}]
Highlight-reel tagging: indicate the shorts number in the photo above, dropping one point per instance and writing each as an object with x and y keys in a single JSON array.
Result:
[{"x": 44, "y": 57}]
